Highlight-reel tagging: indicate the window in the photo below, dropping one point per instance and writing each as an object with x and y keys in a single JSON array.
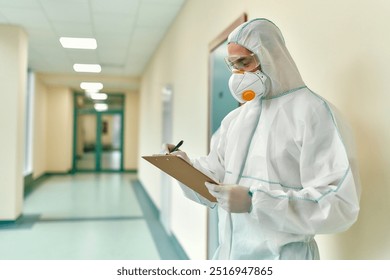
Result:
[{"x": 28, "y": 145}]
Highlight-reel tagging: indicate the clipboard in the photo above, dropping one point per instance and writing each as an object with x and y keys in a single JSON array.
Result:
[{"x": 184, "y": 172}]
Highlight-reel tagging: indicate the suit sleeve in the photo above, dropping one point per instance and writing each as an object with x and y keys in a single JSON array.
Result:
[{"x": 329, "y": 199}]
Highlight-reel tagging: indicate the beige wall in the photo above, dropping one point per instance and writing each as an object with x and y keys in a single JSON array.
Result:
[
  {"x": 342, "y": 49},
  {"x": 53, "y": 129},
  {"x": 59, "y": 129},
  {"x": 13, "y": 60},
  {"x": 131, "y": 123}
]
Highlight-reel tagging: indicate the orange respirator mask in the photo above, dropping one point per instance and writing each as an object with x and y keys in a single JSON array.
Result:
[{"x": 246, "y": 86}]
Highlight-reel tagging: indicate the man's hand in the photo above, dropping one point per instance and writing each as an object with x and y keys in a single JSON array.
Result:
[{"x": 232, "y": 198}]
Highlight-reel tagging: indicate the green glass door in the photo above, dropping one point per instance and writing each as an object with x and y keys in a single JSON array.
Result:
[
  {"x": 86, "y": 141},
  {"x": 110, "y": 152},
  {"x": 98, "y": 134}
]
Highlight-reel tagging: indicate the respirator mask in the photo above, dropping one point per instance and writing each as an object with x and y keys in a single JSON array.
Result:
[
  {"x": 246, "y": 86},
  {"x": 245, "y": 83}
]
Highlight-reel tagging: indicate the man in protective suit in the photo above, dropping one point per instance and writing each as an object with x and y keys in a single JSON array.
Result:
[{"x": 283, "y": 159}]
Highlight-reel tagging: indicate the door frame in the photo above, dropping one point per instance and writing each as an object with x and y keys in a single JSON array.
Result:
[
  {"x": 76, "y": 112},
  {"x": 212, "y": 215},
  {"x": 100, "y": 129}
]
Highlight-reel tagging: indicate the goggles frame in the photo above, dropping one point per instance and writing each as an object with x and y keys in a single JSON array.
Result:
[{"x": 246, "y": 63}]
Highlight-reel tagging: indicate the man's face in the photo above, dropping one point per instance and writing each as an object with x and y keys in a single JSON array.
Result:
[{"x": 241, "y": 59}]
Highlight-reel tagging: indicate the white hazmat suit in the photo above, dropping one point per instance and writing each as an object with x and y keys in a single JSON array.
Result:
[{"x": 287, "y": 147}]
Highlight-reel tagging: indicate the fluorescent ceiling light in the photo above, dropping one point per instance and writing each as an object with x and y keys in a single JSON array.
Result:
[
  {"x": 91, "y": 68},
  {"x": 99, "y": 96},
  {"x": 90, "y": 91},
  {"x": 91, "y": 86},
  {"x": 78, "y": 43},
  {"x": 101, "y": 107}
]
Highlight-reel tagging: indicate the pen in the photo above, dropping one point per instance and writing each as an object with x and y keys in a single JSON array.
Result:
[{"x": 177, "y": 146}]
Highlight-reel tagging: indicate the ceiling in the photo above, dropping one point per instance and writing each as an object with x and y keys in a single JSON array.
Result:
[{"x": 127, "y": 33}]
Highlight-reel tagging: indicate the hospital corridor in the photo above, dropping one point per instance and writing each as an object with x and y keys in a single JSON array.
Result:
[{"x": 280, "y": 109}]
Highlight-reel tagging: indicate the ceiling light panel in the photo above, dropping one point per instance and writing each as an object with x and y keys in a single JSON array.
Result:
[
  {"x": 91, "y": 86},
  {"x": 99, "y": 96},
  {"x": 89, "y": 68},
  {"x": 78, "y": 43}
]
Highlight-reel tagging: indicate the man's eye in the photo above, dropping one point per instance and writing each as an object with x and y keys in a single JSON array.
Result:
[{"x": 240, "y": 62}]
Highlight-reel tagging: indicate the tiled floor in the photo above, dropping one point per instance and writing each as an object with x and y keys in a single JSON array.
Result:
[{"x": 87, "y": 216}]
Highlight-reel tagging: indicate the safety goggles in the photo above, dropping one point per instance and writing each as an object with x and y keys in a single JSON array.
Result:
[{"x": 242, "y": 62}]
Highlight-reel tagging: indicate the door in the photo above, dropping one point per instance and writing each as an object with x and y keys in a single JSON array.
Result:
[
  {"x": 98, "y": 135},
  {"x": 110, "y": 149},
  {"x": 86, "y": 141}
]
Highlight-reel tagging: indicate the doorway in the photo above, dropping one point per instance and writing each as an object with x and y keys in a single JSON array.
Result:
[{"x": 98, "y": 134}]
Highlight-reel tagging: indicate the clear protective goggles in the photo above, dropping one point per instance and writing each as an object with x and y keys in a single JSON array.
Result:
[{"x": 241, "y": 63}]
